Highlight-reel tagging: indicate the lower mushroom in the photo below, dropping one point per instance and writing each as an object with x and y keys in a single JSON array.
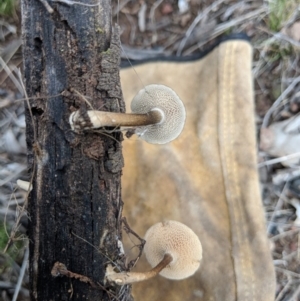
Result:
[{"x": 173, "y": 250}]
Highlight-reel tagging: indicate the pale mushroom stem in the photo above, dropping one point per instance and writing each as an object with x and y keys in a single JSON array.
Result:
[
  {"x": 131, "y": 277},
  {"x": 110, "y": 119}
]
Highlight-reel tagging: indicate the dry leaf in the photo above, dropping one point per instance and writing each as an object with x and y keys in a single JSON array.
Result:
[{"x": 293, "y": 31}]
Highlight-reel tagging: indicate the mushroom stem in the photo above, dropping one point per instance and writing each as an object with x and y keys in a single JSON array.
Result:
[
  {"x": 100, "y": 119},
  {"x": 158, "y": 116},
  {"x": 131, "y": 277}
]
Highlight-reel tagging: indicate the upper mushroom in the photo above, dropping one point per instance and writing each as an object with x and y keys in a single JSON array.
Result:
[
  {"x": 172, "y": 249},
  {"x": 165, "y": 100},
  {"x": 158, "y": 116}
]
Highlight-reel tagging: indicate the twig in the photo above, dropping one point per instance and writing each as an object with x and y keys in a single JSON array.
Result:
[
  {"x": 11, "y": 102},
  {"x": 47, "y": 6},
  {"x": 280, "y": 36},
  {"x": 9, "y": 51},
  {"x": 106, "y": 134},
  {"x": 70, "y": 3},
  {"x": 218, "y": 30},
  {"x": 11, "y": 76},
  {"x": 23, "y": 208},
  {"x": 279, "y": 99},
  {"x": 152, "y": 18},
  {"x": 140, "y": 80},
  {"x": 19, "y": 213},
  {"x": 21, "y": 275},
  {"x": 278, "y": 205},
  {"x": 12, "y": 176},
  {"x": 284, "y": 290},
  {"x": 194, "y": 24},
  {"x": 296, "y": 294},
  {"x": 279, "y": 160},
  {"x": 284, "y": 234},
  {"x": 132, "y": 29},
  {"x": 60, "y": 269},
  {"x": 29, "y": 108},
  {"x": 127, "y": 228},
  {"x": 119, "y": 7},
  {"x": 67, "y": 2},
  {"x": 96, "y": 249},
  {"x": 11, "y": 28},
  {"x": 287, "y": 272},
  {"x": 142, "y": 18},
  {"x": 6, "y": 285},
  {"x": 83, "y": 97},
  {"x": 298, "y": 247}
]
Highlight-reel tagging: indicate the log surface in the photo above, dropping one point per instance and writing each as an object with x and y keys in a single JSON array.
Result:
[{"x": 75, "y": 205}]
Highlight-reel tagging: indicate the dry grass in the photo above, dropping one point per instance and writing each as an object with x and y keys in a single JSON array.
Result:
[{"x": 158, "y": 29}]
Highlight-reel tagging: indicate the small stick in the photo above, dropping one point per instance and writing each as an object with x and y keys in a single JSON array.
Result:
[
  {"x": 95, "y": 249},
  {"x": 16, "y": 225},
  {"x": 287, "y": 272},
  {"x": 21, "y": 275},
  {"x": 279, "y": 159},
  {"x": 60, "y": 269},
  {"x": 140, "y": 246},
  {"x": 69, "y": 2},
  {"x": 47, "y": 6},
  {"x": 84, "y": 98},
  {"x": 129, "y": 230}
]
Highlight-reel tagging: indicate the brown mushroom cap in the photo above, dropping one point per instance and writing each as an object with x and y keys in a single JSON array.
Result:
[
  {"x": 180, "y": 242},
  {"x": 165, "y": 100}
]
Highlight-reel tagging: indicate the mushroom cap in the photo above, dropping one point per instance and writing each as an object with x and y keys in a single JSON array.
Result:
[
  {"x": 165, "y": 100},
  {"x": 180, "y": 242}
]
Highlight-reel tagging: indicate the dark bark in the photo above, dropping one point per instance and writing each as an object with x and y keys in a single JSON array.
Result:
[{"x": 75, "y": 206}]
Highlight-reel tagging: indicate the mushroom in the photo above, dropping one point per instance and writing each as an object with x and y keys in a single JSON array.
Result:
[
  {"x": 158, "y": 116},
  {"x": 172, "y": 249}
]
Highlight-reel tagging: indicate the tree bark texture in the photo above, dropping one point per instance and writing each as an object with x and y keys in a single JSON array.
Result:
[{"x": 75, "y": 205}]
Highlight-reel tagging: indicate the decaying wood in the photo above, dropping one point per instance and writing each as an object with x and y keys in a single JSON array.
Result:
[{"x": 75, "y": 205}]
